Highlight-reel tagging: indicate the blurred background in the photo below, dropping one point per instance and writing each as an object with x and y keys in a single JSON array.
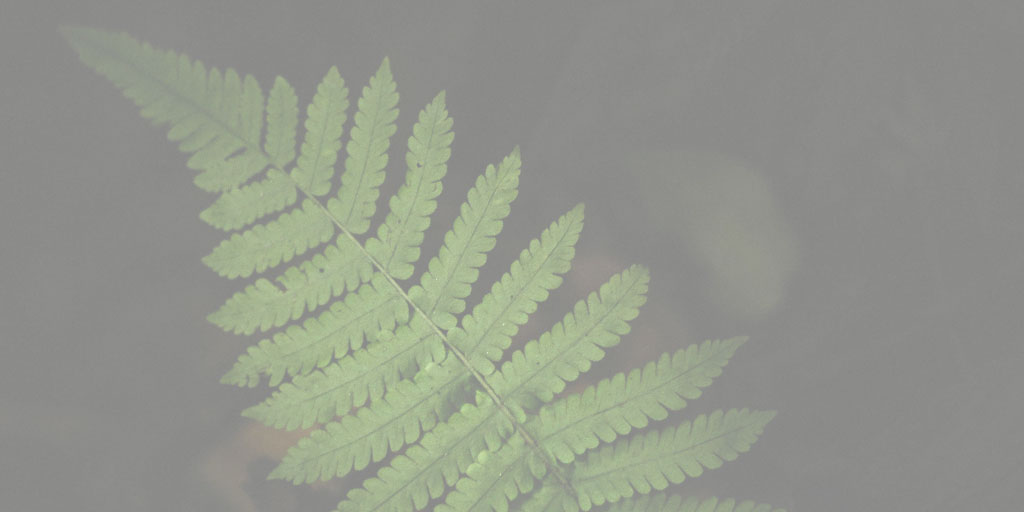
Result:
[{"x": 841, "y": 181}]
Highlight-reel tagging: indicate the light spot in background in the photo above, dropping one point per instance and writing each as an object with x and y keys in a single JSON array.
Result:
[{"x": 726, "y": 215}]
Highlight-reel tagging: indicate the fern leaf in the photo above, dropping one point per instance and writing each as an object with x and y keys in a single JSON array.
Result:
[
  {"x": 332, "y": 335},
  {"x": 487, "y": 331},
  {"x": 218, "y": 118},
  {"x": 471, "y": 236},
  {"x": 495, "y": 479},
  {"x": 311, "y": 284},
  {"x": 451, "y": 447},
  {"x": 616, "y": 406},
  {"x": 346, "y": 383},
  {"x": 466, "y": 245},
  {"x": 226, "y": 172},
  {"x": 655, "y": 459},
  {"x": 367, "y": 153},
  {"x": 325, "y": 119},
  {"x": 301, "y": 288},
  {"x": 401, "y": 375},
  {"x": 397, "y": 245},
  {"x": 573, "y": 425},
  {"x": 351, "y": 380},
  {"x": 659, "y": 502},
  {"x": 426, "y": 469},
  {"x": 413, "y": 344},
  {"x": 282, "y": 119},
  {"x": 267, "y": 245},
  {"x": 240, "y": 207},
  {"x": 412, "y": 407},
  {"x": 450, "y": 275},
  {"x": 545, "y": 365}
]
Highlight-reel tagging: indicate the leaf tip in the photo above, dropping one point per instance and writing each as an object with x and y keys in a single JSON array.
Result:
[{"x": 385, "y": 67}]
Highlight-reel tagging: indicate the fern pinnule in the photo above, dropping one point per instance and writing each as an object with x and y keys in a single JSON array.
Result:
[
  {"x": 395, "y": 371},
  {"x": 325, "y": 120}
]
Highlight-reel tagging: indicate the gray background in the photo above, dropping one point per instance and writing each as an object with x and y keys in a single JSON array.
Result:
[{"x": 839, "y": 180}]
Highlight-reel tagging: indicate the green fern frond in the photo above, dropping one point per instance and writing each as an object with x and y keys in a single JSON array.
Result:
[
  {"x": 340, "y": 267},
  {"x": 241, "y": 206},
  {"x": 283, "y": 117},
  {"x": 367, "y": 153},
  {"x": 216, "y": 117},
  {"x": 599, "y": 414},
  {"x": 397, "y": 245},
  {"x": 325, "y": 118},
  {"x": 450, "y": 275},
  {"x": 300, "y": 349},
  {"x": 413, "y": 406},
  {"x": 655, "y": 459},
  {"x": 495, "y": 479},
  {"x": 451, "y": 447},
  {"x": 426, "y": 469},
  {"x": 301, "y": 288},
  {"x": 398, "y": 372},
  {"x": 616, "y": 406},
  {"x": 560, "y": 355},
  {"x": 267, "y": 245}
]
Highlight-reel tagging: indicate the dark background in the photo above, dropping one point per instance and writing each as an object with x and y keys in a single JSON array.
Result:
[{"x": 839, "y": 180}]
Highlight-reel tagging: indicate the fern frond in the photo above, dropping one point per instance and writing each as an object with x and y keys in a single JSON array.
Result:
[
  {"x": 655, "y": 459},
  {"x": 659, "y": 502},
  {"x": 572, "y": 425},
  {"x": 216, "y": 117},
  {"x": 268, "y": 245},
  {"x": 451, "y": 274},
  {"x": 397, "y": 245},
  {"x": 299, "y": 289},
  {"x": 416, "y": 343},
  {"x": 367, "y": 153},
  {"x": 487, "y": 331},
  {"x": 616, "y": 406},
  {"x": 325, "y": 119},
  {"x": 332, "y": 335},
  {"x": 341, "y": 267},
  {"x": 451, "y": 447},
  {"x": 413, "y": 344},
  {"x": 401, "y": 373},
  {"x": 560, "y": 355},
  {"x": 637, "y": 466},
  {"x": 426, "y": 469},
  {"x": 240, "y": 207},
  {"x": 496, "y": 478},
  {"x": 348, "y": 382},
  {"x": 410, "y": 407},
  {"x": 282, "y": 120}
]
